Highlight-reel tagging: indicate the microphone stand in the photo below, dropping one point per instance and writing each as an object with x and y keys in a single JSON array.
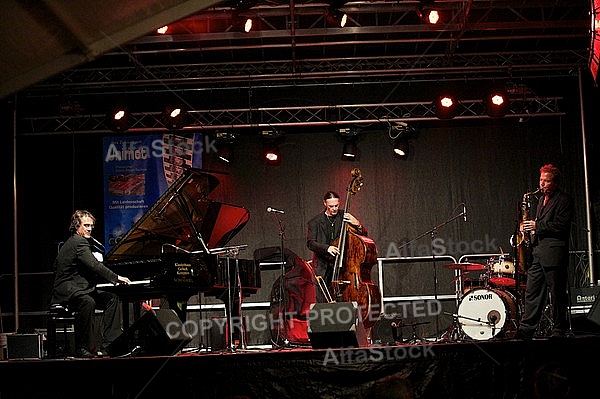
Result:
[
  {"x": 282, "y": 332},
  {"x": 432, "y": 234}
]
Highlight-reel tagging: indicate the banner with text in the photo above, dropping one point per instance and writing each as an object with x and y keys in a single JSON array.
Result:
[{"x": 137, "y": 171}]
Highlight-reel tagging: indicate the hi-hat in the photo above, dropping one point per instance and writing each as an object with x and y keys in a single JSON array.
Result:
[{"x": 465, "y": 266}]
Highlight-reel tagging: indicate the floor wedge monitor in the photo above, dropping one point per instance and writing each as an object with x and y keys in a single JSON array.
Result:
[
  {"x": 157, "y": 333},
  {"x": 336, "y": 325}
]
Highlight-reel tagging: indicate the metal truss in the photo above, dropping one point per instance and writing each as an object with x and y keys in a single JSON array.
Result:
[
  {"x": 289, "y": 117},
  {"x": 293, "y": 50},
  {"x": 424, "y": 68},
  {"x": 383, "y": 39}
]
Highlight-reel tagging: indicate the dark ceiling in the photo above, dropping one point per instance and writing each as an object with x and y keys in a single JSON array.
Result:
[{"x": 294, "y": 69}]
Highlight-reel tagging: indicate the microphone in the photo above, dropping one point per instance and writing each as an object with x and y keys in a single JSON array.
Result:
[
  {"x": 269, "y": 209},
  {"x": 464, "y": 212}
]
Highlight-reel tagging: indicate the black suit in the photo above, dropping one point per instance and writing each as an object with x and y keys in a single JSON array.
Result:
[
  {"x": 76, "y": 273},
  {"x": 323, "y": 230},
  {"x": 548, "y": 271}
]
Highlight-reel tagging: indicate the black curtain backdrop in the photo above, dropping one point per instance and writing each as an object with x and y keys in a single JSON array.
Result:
[{"x": 486, "y": 164}]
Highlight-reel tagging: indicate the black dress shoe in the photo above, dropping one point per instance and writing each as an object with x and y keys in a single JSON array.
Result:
[
  {"x": 103, "y": 353},
  {"x": 84, "y": 353}
]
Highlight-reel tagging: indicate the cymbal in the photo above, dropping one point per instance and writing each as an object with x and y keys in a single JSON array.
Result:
[{"x": 465, "y": 266}]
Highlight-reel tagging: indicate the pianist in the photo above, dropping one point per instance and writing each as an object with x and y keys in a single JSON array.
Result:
[{"x": 77, "y": 269}]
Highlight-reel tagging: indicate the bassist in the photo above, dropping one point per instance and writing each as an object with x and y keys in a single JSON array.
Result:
[{"x": 323, "y": 230}]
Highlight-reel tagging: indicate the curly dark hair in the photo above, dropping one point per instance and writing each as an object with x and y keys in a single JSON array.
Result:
[{"x": 76, "y": 219}]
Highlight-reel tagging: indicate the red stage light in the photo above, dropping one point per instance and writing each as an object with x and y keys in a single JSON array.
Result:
[{"x": 446, "y": 107}]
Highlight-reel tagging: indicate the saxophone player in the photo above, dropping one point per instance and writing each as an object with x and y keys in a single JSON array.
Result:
[{"x": 547, "y": 275}]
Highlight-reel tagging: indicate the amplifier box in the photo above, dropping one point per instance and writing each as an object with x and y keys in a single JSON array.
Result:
[
  {"x": 584, "y": 295},
  {"x": 24, "y": 346}
]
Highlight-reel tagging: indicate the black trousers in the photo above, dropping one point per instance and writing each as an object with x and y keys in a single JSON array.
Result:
[
  {"x": 85, "y": 306},
  {"x": 545, "y": 284}
]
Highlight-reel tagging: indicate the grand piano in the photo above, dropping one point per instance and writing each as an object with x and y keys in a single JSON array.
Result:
[{"x": 177, "y": 249}]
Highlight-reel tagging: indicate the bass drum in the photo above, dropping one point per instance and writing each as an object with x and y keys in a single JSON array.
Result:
[{"x": 483, "y": 313}]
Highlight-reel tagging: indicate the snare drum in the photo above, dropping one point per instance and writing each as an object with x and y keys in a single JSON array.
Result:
[{"x": 483, "y": 313}]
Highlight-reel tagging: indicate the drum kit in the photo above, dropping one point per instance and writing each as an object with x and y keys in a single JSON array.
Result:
[{"x": 487, "y": 305}]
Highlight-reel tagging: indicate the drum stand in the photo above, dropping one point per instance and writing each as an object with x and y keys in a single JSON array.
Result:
[{"x": 454, "y": 333}]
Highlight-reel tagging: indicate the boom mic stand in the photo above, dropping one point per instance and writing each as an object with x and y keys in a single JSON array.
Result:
[{"x": 432, "y": 234}]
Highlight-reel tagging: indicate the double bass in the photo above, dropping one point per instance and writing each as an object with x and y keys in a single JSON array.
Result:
[{"x": 351, "y": 280}]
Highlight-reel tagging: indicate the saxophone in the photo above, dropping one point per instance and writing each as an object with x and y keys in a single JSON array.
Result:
[{"x": 524, "y": 238}]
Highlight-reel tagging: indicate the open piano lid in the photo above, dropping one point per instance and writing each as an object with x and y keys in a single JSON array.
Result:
[{"x": 184, "y": 217}]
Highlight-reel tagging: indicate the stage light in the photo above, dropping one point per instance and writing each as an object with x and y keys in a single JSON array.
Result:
[
  {"x": 118, "y": 119},
  {"x": 335, "y": 17},
  {"x": 248, "y": 25},
  {"x": 350, "y": 150},
  {"x": 241, "y": 23},
  {"x": 225, "y": 141},
  {"x": 225, "y": 152},
  {"x": 174, "y": 117},
  {"x": 496, "y": 103},
  {"x": 272, "y": 155},
  {"x": 401, "y": 148},
  {"x": 430, "y": 17},
  {"x": 272, "y": 138},
  {"x": 446, "y": 106},
  {"x": 349, "y": 136},
  {"x": 400, "y": 132},
  {"x": 433, "y": 17},
  {"x": 427, "y": 13}
]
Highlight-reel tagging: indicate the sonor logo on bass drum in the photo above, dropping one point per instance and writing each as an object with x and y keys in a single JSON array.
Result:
[{"x": 480, "y": 297}]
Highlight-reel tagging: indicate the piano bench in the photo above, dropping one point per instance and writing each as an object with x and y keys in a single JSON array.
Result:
[{"x": 59, "y": 315}]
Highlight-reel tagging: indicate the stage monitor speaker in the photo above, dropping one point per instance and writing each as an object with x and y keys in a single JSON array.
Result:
[
  {"x": 157, "y": 333},
  {"x": 594, "y": 313},
  {"x": 336, "y": 325},
  {"x": 24, "y": 346}
]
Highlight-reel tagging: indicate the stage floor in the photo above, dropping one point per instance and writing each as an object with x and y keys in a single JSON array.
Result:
[{"x": 495, "y": 368}]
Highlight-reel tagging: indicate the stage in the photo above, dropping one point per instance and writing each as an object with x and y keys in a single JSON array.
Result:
[{"x": 495, "y": 368}]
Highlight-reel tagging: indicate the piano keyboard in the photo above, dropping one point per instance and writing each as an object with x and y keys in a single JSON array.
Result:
[{"x": 135, "y": 282}]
